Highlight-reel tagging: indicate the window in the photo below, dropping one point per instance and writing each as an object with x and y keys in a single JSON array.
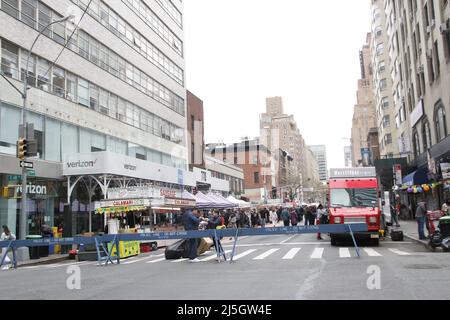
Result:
[
  {"x": 256, "y": 177},
  {"x": 10, "y": 60},
  {"x": 383, "y": 84},
  {"x": 83, "y": 42},
  {"x": 440, "y": 122},
  {"x": 385, "y": 102},
  {"x": 426, "y": 135},
  {"x": 29, "y": 12},
  {"x": 59, "y": 30},
  {"x": 31, "y": 68},
  {"x": 59, "y": 82},
  {"x": 45, "y": 17},
  {"x": 386, "y": 121},
  {"x": 416, "y": 144},
  {"x": 71, "y": 87},
  {"x": 11, "y": 7},
  {"x": 192, "y": 122},
  {"x": 43, "y": 75},
  {"x": 83, "y": 92},
  {"x": 380, "y": 49},
  {"x": 103, "y": 102},
  {"x": 93, "y": 97},
  {"x": 382, "y": 66},
  {"x": 52, "y": 140}
]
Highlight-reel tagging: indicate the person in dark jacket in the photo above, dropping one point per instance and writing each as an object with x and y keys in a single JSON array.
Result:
[
  {"x": 191, "y": 220},
  {"x": 285, "y": 217}
]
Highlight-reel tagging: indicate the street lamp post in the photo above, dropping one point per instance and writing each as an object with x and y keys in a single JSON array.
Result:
[{"x": 23, "y": 93}]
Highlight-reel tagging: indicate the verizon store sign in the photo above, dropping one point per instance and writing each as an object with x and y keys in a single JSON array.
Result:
[{"x": 116, "y": 164}]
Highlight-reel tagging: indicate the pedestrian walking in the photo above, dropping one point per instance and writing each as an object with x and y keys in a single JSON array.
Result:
[
  {"x": 273, "y": 217},
  {"x": 7, "y": 235},
  {"x": 322, "y": 218},
  {"x": 394, "y": 216},
  {"x": 191, "y": 220},
  {"x": 294, "y": 218},
  {"x": 421, "y": 219},
  {"x": 285, "y": 217},
  {"x": 232, "y": 224}
]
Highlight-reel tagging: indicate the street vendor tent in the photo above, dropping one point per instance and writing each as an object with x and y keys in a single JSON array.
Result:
[
  {"x": 221, "y": 202},
  {"x": 204, "y": 202},
  {"x": 240, "y": 203}
]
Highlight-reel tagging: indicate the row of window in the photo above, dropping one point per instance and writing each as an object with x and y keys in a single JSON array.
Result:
[
  {"x": 55, "y": 139},
  {"x": 237, "y": 185},
  {"x": 440, "y": 125},
  {"x": 156, "y": 24},
  {"x": 69, "y": 86},
  {"x": 125, "y": 31},
  {"x": 173, "y": 12},
  {"x": 91, "y": 49}
]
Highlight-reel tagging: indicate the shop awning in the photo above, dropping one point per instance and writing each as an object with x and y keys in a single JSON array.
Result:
[
  {"x": 240, "y": 203},
  {"x": 416, "y": 178},
  {"x": 203, "y": 201}
]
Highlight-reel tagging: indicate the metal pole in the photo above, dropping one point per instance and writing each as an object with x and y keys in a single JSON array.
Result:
[{"x": 24, "y": 210}]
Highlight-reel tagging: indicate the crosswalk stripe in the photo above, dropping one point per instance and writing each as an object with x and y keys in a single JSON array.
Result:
[
  {"x": 291, "y": 254},
  {"x": 214, "y": 256},
  {"x": 371, "y": 252},
  {"x": 344, "y": 253},
  {"x": 317, "y": 253},
  {"x": 157, "y": 260},
  {"x": 243, "y": 254},
  {"x": 399, "y": 252},
  {"x": 136, "y": 260},
  {"x": 179, "y": 260},
  {"x": 266, "y": 254}
]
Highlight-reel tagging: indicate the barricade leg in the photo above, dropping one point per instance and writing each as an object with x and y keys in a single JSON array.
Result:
[
  {"x": 354, "y": 241},
  {"x": 99, "y": 256},
  {"x": 234, "y": 245},
  {"x": 218, "y": 246}
]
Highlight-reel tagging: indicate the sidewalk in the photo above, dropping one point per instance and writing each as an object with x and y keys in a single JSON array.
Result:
[
  {"x": 411, "y": 231},
  {"x": 53, "y": 258}
]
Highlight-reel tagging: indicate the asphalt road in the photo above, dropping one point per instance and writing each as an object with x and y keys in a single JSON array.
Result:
[{"x": 266, "y": 268}]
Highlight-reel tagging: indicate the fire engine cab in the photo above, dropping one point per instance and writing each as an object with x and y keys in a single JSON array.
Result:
[{"x": 354, "y": 198}]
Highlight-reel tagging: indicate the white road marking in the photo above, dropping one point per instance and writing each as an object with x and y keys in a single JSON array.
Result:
[
  {"x": 371, "y": 252},
  {"x": 243, "y": 254},
  {"x": 266, "y": 254},
  {"x": 317, "y": 253},
  {"x": 157, "y": 260},
  {"x": 179, "y": 260},
  {"x": 214, "y": 256},
  {"x": 344, "y": 253},
  {"x": 284, "y": 241},
  {"x": 136, "y": 260},
  {"x": 399, "y": 252},
  {"x": 291, "y": 254}
]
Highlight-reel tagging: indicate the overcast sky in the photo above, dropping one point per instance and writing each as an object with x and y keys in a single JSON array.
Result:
[{"x": 238, "y": 52}]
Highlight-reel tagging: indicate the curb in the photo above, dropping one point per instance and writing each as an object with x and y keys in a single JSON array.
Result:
[
  {"x": 37, "y": 263},
  {"x": 424, "y": 243}
]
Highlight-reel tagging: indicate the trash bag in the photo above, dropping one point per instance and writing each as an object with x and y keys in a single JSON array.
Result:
[
  {"x": 446, "y": 244},
  {"x": 177, "y": 250},
  {"x": 436, "y": 239}
]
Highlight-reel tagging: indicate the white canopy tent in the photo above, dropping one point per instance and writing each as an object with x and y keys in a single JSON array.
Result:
[{"x": 241, "y": 203}]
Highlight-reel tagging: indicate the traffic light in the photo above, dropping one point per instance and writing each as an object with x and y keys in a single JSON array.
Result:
[{"x": 22, "y": 149}]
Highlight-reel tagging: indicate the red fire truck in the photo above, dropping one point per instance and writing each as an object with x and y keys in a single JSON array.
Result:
[{"x": 354, "y": 198}]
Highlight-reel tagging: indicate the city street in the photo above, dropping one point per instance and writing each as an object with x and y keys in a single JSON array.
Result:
[{"x": 265, "y": 268}]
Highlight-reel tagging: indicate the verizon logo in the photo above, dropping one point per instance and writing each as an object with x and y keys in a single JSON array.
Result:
[{"x": 81, "y": 164}]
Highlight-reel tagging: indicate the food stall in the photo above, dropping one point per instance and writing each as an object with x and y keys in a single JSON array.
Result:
[{"x": 124, "y": 216}]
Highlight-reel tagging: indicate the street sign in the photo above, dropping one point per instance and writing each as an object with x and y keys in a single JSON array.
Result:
[
  {"x": 26, "y": 164},
  {"x": 14, "y": 178}
]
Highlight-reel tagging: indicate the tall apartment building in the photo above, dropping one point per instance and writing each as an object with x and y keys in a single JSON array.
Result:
[
  {"x": 383, "y": 82},
  {"x": 312, "y": 177},
  {"x": 419, "y": 46},
  {"x": 116, "y": 94},
  {"x": 280, "y": 131},
  {"x": 320, "y": 154},
  {"x": 364, "y": 117}
]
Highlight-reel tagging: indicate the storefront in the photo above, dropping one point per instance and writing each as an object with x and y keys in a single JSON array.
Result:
[{"x": 45, "y": 195}]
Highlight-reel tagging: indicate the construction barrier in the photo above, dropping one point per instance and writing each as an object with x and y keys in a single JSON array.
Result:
[{"x": 100, "y": 241}]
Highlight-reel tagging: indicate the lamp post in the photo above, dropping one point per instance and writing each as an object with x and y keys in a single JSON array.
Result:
[{"x": 23, "y": 93}]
